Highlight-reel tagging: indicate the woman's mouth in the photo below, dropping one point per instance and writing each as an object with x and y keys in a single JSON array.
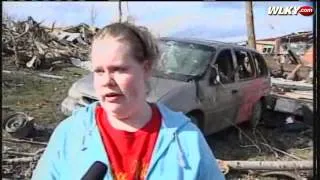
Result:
[{"x": 112, "y": 97}]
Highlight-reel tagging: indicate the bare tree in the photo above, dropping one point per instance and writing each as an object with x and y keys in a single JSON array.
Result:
[
  {"x": 127, "y": 6},
  {"x": 4, "y": 15},
  {"x": 93, "y": 15},
  {"x": 128, "y": 14},
  {"x": 250, "y": 25},
  {"x": 130, "y": 18},
  {"x": 120, "y": 11}
]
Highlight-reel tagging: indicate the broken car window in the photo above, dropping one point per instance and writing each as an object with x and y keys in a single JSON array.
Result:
[
  {"x": 225, "y": 66},
  {"x": 245, "y": 64},
  {"x": 261, "y": 65},
  {"x": 183, "y": 58}
]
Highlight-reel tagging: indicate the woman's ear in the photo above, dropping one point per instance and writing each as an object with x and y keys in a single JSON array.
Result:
[{"x": 147, "y": 67}]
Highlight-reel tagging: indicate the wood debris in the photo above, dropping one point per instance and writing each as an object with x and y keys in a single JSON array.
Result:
[
  {"x": 291, "y": 169},
  {"x": 16, "y": 162},
  {"x": 35, "y": 46},
  {"x": 289, "y": 66},
  {"x": 292, "y": 88},
  {"x": 270, "y": 165},
  {"x": 13, "y": 140},
  {"x": 39, "y": 74}
]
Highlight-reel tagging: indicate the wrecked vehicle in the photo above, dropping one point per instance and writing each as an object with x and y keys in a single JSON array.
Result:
[{"x": 215, "y": 84}]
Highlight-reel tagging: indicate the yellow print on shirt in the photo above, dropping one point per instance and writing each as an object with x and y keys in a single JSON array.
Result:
[
  {"x": 140, "y": 171},
  {"x": 121, "y": 176}
]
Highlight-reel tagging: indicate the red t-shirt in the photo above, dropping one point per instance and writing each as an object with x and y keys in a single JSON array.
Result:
[{"x": 129, "y": 153}]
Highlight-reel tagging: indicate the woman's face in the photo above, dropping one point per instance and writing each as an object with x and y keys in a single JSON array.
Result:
[{"x": 119, "y": 80}]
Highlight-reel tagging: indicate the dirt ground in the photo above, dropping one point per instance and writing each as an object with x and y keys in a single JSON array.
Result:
[{"x": 40, "y": 98}]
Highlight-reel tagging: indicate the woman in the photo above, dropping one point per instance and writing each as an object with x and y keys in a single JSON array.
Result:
[{"x": 135, "y": 139}]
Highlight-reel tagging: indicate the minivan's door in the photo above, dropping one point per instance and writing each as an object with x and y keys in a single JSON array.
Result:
[
  {"x": 226, "y": 94},
  {"x": 251, "y": 87}
]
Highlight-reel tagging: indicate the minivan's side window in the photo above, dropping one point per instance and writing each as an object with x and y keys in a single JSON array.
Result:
[
  {"x": 262, "y": 69},
  {"x": 245, "y": 66},
  {"x": 224, "y": 63}
]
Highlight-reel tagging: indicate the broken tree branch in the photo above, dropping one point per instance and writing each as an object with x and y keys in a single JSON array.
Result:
[
  {"x": 281, "y": 173},
  {"x": 283, "y": 152},
  {"x": 19, "y": 160},
  {"x": 39, "y": 151},
  {"x": 50, "y": 76},
  {"x": 270, "y": 165},
  {"x": 246, "y": 135},
  {"x": 18, "y": 153},
  {"x": 39, "y": 74},
  {"x": 12, "y": 140},
  {"x": 266, "y": 143}
]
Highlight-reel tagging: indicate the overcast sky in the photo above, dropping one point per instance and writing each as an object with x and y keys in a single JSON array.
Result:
[{"x": 223, "y": 21}]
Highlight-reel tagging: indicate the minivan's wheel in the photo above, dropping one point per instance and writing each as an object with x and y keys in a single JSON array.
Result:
[{"x": 256, "y": 114}]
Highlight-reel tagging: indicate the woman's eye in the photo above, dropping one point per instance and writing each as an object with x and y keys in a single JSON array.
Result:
[
  {"x": 99, "y": 71},
  {"x": 120, "y": 69}
]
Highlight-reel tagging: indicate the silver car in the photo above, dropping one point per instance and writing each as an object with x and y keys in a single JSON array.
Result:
[{"x": 216, "y": 84}]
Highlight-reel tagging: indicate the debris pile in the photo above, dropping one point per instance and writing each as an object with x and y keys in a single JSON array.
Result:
[
  {"x": 289, "y": 66},
  {"x": 17, "y": 162},
  {"x": 35, "y": 46},
  {"x": 292, "y": 88}
]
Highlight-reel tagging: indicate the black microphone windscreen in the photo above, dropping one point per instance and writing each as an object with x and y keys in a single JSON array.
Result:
[{"x": 97, "y": 171}]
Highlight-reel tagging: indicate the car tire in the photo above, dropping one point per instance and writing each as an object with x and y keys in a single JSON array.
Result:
[
  {"x": 18, "y": 125},
  {"x": 256, "y": 114}
]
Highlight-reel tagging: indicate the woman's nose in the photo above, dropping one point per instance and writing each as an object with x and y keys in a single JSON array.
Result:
[{"x": 108, "y": 80}]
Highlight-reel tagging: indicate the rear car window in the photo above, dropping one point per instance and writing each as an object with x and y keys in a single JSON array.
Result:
[
  {"x": 224, "y": 63},
  {"x": 245, "y": 65},
  {"x": 262, "y": 69}
]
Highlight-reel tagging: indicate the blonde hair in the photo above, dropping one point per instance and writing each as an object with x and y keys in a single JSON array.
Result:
[{"x": 142, "y": 43}]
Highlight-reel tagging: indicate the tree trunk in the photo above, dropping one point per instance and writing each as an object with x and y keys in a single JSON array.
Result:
[
  {"x": 270, "y": 165},
  {"x": 93, "y": 17},
  {"x": 250, "y": 25}
]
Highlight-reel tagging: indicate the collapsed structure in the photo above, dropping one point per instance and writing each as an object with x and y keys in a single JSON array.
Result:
[
  {"x": 35, "y": 46},
  {"x": 290, "y": 60}
]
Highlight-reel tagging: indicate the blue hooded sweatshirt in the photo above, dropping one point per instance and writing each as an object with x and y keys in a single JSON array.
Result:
[{"x": 181, "y": 151}]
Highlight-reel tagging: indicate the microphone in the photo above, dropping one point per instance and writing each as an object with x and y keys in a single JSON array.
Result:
[{"x": 97, "y": 171}]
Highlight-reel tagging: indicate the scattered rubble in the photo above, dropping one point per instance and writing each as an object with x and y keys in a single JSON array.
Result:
[
  {"x": 17, "y": 163},
  {"x": 21, "y": 151},
  {"x": 292, "y": 88},
  {"x": 291, "y": 97},
  {"x": 35, "y": 46},
  {"x": 289, "y": 68},
  {"x": 280, "y": 83}
]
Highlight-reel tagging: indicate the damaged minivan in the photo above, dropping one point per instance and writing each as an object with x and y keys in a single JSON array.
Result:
[{"x": 216, "y": 84}]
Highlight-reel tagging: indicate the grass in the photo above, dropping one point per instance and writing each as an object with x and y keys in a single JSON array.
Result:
[{"x": 37, "y": 96}]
